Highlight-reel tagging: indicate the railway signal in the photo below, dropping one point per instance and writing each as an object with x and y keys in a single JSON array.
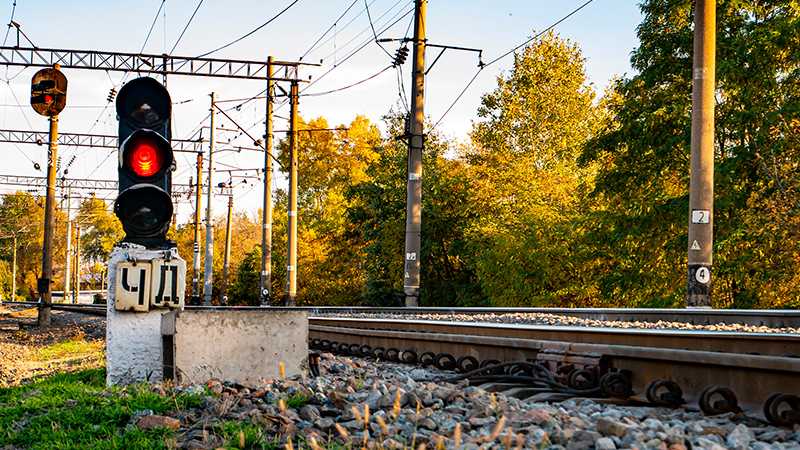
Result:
[
  {"x": 144, "y": 205},
  {"x": 49, "y": 92}
]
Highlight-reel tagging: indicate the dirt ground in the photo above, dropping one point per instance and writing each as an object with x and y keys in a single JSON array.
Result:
[{"x": 73, "y": 342}]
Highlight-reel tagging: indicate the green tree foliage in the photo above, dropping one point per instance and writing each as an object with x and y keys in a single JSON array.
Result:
[
  {"x": 377, "y": 213},
  {"x": 330, "y": 269},
  {"x": 100, "y": 229},
  {"x": 639, "y": 232},
  {"x": 22, "y": 214},
  {"x": 526, "y": 182},
  {"x": 243, "y": 289}
]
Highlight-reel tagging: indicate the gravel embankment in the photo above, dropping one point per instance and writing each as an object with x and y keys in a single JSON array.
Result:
[
  {"x": 21, "y": 343},
  {"x": 561, "y": 320},
  {"x": 356, "y": 400}
]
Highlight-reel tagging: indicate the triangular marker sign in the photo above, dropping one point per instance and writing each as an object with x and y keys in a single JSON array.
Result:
[{"x": 695, "y": 245}]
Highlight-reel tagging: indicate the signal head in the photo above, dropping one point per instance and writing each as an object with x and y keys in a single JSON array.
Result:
[
  {"x": 144, "y": 206},
  {"x": 144, "y": 103},
  {"x": 145, "y": 155}
]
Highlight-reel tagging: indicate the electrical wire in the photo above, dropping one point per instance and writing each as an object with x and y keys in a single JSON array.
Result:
[
  {"x": 483, "y": 66},
  {"x": 367, "y": 29},
  {"x": 189, "y": 22},
  {"x": 248, "y": 34},
  {"x": 315, "y": 94},
  {"x": 13, "y": 11},
  {"x": 333, "y": 25},
  {"x": 372, "y": 26}
]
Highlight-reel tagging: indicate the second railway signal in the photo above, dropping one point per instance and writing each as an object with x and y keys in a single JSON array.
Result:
[{"x": 144, "y": 206}]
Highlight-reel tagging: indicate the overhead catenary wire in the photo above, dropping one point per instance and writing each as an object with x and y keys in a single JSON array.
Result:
[
  {"x": 189, "y": 22},
  {"x": 333, "y": 25},
  {"x": 483, "y": 66},
  {"x": 372, "y": 26},
  {"x": 251, "y": 32},
  {"x": 314, "y": 94}
]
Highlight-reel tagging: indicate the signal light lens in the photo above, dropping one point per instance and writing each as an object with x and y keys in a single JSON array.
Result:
[
  {"x": 48, "y": 98},
  {"x": 144, "y": 157}
]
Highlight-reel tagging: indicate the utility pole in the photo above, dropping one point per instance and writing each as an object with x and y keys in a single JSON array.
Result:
[
  {"x": 44, "y": 284},
  {"x": 226, "y": 260},
  {"x": 701, "y": 184},
  {"x": 67, "y": 262},
  {"x": 209, "y": 275},
  {"x": 291, "y": 265},
  {"x": 411, "y": 274},
  {"x": 14, "y": 269},
  {"x": 77, "y": 285},
  {"x": 265, "y": 281},
  {"x": 198, "y": 199}
]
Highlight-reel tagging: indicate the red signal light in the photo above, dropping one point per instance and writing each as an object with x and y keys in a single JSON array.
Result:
[
  {"x": 144, "y": 158},
  {"x": 48, "y": 98}
]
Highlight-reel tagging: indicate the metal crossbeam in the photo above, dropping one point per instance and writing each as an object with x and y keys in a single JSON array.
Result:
[
  {"x": 88, "y": 140},
  {"x": 144, "y": 63},
  {"x": 178, "y": 190}
]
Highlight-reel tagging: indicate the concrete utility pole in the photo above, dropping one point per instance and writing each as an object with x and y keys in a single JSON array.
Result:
[
  {"x": 77, "y": 285},
  {"x": 14, "y": 269},
  {"x": 68, "y": 253},
  {"x": 291, "y": 265},
  {"x": 198, "y": 200},
  {"x": 701, "y": 185},
  {"x": 45, "y": 282},
  {"x": 265, "y": 281},
  {"x": 226, "y": 260},
  {"x": 209, "y": 275},
  {"x": 411, "y": 273}
]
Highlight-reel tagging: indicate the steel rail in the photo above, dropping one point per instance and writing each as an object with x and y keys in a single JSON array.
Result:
[
  {"x": 772, "y": 318},
  {"x": 751, "y": 367}
]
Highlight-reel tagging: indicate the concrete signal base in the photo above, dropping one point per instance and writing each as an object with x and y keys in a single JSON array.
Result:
[
  {"x": 133, "y": 339},
  {"x": 245, "y": 346}
]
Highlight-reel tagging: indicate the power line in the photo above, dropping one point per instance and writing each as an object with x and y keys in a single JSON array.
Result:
[
  {"x": 367, "y": 29},
  {"x": 153, "y": 25},
  {"x": 251, "y": 31},
  {"x": 483, "y": 66},
  {"x": 343, "y": 27},
  {"x": 329, "y": 29},
  {"x": 13, "y": 11},
  {"x": 315, "y": 94},
  {"x": 186, "y": 27},
  {"x": 372, "y": 26}
]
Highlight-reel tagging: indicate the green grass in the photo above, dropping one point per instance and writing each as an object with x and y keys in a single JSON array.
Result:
[
  {"x": 297, "y": 400},
  {"x": 73, "y": 348},
  {"x": 76, "y": 411},
  {"x": 253, "y": 437}
]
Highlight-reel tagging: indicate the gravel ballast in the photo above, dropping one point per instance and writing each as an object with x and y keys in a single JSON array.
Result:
[
  {"x": 563, "y": 320},
  {"x": 388, "y": 405}
]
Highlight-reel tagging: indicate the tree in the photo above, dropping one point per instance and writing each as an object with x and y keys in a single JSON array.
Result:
[
  {"x": 377, "y": 214},
  {"x": 526, "y": 185},
  {"x": 100, "y": 229},
  {"x": 643, "y": 158},
  {"x": 22, "y": 214}
]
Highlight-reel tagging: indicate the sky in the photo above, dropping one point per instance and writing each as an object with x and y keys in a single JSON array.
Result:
[{"x": 605, "y": 30}]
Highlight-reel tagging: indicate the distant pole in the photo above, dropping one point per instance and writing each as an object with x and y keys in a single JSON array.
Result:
[
  {"x": 291, "y": 267},
  {"x": 77, "y": 285},
  {"x": 198, "y": 202},
  {"x": 411, "y": 274},
  {"x": 265, "y": 281},
  {"x": 68, "y": 253},
  {"x": 45, "y": 282},
  {"x": 14, "y": 269},
  {"x": 701, "y": 184},
  {"x": 226, "y": 260},
  {"x": 209, "y": 275}
]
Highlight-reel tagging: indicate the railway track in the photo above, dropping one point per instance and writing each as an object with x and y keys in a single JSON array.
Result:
[{"x": 716, "y": 371}]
